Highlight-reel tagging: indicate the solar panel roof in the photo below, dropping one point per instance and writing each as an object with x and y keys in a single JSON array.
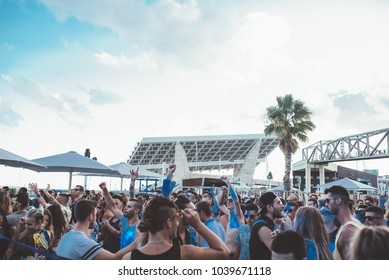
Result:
[{"x": 204, "y": 153}]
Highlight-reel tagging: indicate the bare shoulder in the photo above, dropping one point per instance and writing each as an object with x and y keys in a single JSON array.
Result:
[{"x": 348, "y": 232}]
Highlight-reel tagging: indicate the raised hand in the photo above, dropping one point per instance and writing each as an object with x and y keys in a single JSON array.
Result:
[
  {"x": 172, "y": 168},
  {"x": 33, "y": 186},
  {"x": 134, "y": 174},
  {"x": 224, "y": 178},
  {"x": 103, "y": 187},
  {"x": 191, "y": 217}
]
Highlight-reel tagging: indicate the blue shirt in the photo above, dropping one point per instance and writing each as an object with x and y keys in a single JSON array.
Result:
[
  {"x": 243, "y": 238},
  {"x": 311, "y": 250},
  {"x": 75, "y": 245},
  {"x": 216, "y": 228},
  {"x": 128, "y": 234}
]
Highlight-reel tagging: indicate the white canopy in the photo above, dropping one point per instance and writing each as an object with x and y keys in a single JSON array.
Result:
[{"x": 347, "y": 184}]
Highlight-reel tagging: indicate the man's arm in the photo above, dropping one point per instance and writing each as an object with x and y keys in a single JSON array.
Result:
[
  {"x": 51, "y": 198},
  {"x": 344, "y": 242},
  {"x": 108, "y": 199},
  {"x": 107, "y": 255},
  {"x": 134, "y": 176},
  {"x": 265, "y": 235}
]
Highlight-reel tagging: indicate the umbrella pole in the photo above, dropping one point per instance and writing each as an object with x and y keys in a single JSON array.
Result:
[
  {"x": 121, "y": 183},
  {"x": 70, "y": 179}
]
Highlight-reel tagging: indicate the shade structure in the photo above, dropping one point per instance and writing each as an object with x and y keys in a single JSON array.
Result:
[
  {"x": 73, "y": 162},
  {"x": 124, "y": 171},
  {"x": 10, "y": 159},
  {"x": 348, "y": 184},
  {"x": 203, "y": 182}
]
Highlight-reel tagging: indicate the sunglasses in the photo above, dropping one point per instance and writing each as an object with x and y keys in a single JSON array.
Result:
[
  {"x": 289, "y": 210},
  {"x": 251, "y": 216},
  {"x": 229, "y": 200},
  {"x": 370, "y": 218}
]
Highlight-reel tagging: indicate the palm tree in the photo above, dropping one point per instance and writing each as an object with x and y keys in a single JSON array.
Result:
[{"x": 290, "y": 120}]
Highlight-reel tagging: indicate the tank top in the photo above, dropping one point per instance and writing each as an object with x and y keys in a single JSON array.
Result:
[
  {"x": 354, "y": 223},
  {"x": 112, "y": 243},
  {"x": 258, "y": 249},
  {"x": 174, "y": 253}
]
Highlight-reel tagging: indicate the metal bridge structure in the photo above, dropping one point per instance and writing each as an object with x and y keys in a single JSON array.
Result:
[{"x": 363, "y": 146}]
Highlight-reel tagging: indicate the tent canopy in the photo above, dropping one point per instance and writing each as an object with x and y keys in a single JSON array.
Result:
[{"x": 348, "y": 184}]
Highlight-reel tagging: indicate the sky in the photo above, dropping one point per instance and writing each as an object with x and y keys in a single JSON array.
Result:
[{"x": 104, "y": 74}]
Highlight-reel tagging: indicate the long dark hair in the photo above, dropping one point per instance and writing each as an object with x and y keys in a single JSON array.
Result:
[
  {"x": 6, "y": 226},
  {"x": 58, "y": 220}
]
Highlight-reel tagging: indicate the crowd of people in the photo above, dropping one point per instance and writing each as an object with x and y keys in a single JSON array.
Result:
[{"x": 217, "y": 224}]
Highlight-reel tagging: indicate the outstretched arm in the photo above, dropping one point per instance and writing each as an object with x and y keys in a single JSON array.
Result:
[
  {"x": 237, "y": 210},
  {"x": 222, "y": 200},
  {"x": 134, "y": 175},
  {"x": 108, "y": 199},
  {"x": 166, "y": 188},
  {"x": 51, "y": 198}
]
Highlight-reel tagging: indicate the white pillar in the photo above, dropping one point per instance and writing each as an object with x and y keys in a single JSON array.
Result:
[
  {"x": 322, "y": 176},
  {"x": 308, "y": 178}
]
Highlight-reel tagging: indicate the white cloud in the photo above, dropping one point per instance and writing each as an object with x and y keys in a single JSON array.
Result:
[
  {"x": 103, "y": 97},
  {"x": 8, "y": 117},
  {"x": 143, "y": 61},
  {"x": 64, "y": 104}
]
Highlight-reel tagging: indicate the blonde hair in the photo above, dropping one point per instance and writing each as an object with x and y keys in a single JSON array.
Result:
[
  {"x": 370, "y": 243},
  {"x": 309, "y": 223}
]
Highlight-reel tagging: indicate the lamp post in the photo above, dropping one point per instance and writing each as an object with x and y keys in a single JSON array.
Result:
[{"x": 270, "y": 177}]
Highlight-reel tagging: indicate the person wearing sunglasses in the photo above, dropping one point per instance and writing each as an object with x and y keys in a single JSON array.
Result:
[
  {"x": 290, "y": 210},
  {"x": 374, "y": 216},
  {"x": 243, "y": 237}
]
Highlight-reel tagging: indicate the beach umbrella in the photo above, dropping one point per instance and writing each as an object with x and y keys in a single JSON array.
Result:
[
  {"x": 10, "y": 159},
  {"x": 73, "y": 162}
]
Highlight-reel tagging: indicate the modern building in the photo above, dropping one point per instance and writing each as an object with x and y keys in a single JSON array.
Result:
[
  {"x": 242, "y": 153},
  {"x": 321, "y": 174}
]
